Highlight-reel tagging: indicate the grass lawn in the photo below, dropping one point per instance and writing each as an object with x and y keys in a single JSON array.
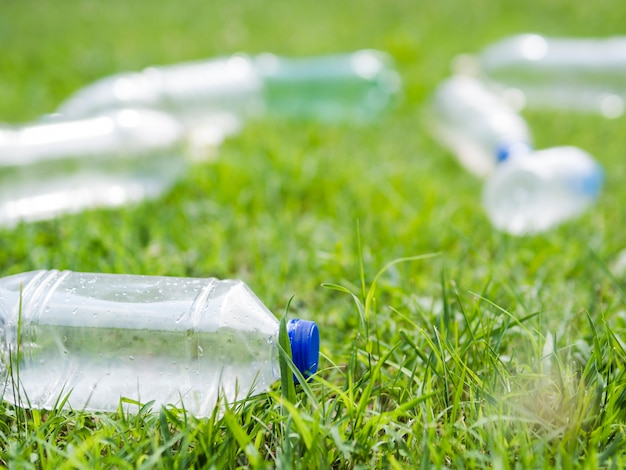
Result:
[{"x": 498, "y": 352}]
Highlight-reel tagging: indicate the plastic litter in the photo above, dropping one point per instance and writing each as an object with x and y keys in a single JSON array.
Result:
[
  {"x": 100, "y": 337},
  {"x": 525, "y": 191},
  {"x": 564, "y": 73},
  {"x": 331, "y": 88},
  {"x": 59, "y": 166}
]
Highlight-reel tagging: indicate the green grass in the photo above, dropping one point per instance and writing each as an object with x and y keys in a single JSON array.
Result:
[{"x": 498, "y": 352}]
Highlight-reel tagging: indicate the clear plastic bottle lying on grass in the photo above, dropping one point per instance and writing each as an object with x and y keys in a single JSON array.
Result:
[
  {"x": 525, "y": 191},
  {"x": 343, "y": 87},
  {"x": 475, "y": 124},
  {"x": 581, "y": 74},
  {"x": 57, "y": 166},
  {"x": 101, "y": 337},
  {"x": 535, "y": 192}
]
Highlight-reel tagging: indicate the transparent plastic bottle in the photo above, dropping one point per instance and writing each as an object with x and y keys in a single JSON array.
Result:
[
  {"x": 59, "y": 166},
  {"x": 356, "y": 86},
  {"x": 100, "y": 337},
  {"x": 476, "y": 125},
  {"x": 532, "y": 193},
  {"x": 584, "y": 74}
]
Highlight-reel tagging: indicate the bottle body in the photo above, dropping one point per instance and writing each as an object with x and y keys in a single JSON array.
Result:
[
  {"x": 100, "y": 337},
  {"x": 212, "y": 92},
  {"x": 562, "y": 73},
  {"x": 61, "y": 166},
  {"x": 354, "y": 87},
  {"x": 329, "y": 88},
  {"x": 475, "y": 124},
  {"x": 535, "y": 192}
]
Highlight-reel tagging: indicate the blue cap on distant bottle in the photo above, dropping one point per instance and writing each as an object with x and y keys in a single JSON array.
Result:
[
  {"x": 592, "y": 184},
  {"x": 304, "y": 337},
  {"x": 509, "y": 149}
]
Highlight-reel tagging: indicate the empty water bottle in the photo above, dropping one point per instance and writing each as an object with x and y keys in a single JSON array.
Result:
[
  {"x": 562, "y": 73},
  {"x": 332, "y": 88},
  {"x": 97, "y": 338},
  {"x": 525, "y": 191},
  {"x": 476, "y": 125},
  {"x": 60, "y": 166},
  {"x": 538, "y": 191}
]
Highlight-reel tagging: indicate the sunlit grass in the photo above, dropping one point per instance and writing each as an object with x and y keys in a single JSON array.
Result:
[
  {"x": 468, "y": 385},
  {"x": 498, "y": 352}
]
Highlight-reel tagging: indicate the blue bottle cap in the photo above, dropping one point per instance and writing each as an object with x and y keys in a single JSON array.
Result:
[
  {"x": 304, "y": 337},
  {"x": 592, "y": 184},
  {"x": 507, "y": 149}
]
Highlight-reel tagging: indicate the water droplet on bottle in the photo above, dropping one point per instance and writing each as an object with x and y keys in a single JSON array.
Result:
[
  {"x": 132, "y": 358},
  {"x": 75, "y": 311}
]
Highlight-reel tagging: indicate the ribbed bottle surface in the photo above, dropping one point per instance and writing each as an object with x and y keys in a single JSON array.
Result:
[{"x": 100, "y": 337}]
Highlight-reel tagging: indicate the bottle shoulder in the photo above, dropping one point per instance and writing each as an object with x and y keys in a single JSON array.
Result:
[{"x": 17, "y": 282}]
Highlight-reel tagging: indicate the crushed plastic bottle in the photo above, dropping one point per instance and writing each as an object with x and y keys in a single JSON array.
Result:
[
  {"x": 343, "y": 87},
  {"x": 535, "y": 192},
  {"x": 578, "y": 74},
  {"x": 101, "y": 337},
  {"x": 59, "y": 166},
  {"x": 476, "y": 125}
]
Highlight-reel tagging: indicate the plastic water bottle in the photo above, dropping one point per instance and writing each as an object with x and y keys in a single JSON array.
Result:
[
  {"x": 58, "y": 166},
  {"x": 525, "y": 191},
  {"x": 344, "y": 87},
  {"x": 100, "y": 337},
  {"x": 532, "y": 193},
  {"x": 562, "y": 73},
  {"x": 476, "y": 125}
]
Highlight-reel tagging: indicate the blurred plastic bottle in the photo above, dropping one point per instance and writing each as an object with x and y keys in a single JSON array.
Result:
[
  {"x": 562, "y": 73},
  {"x": 532, "y": 193},
  {"x": 99, "y": 337},
  {"x": 525, "y": 191},
  {"x": 345, "y": 87},
  {"x": 476, "y": 125},
  {"x": 57, "y": 166}
]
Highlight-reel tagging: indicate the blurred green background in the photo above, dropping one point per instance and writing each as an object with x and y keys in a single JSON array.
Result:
[
  {"x": 282, "y": 205},
  {"x": 52, "y": 48}
]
